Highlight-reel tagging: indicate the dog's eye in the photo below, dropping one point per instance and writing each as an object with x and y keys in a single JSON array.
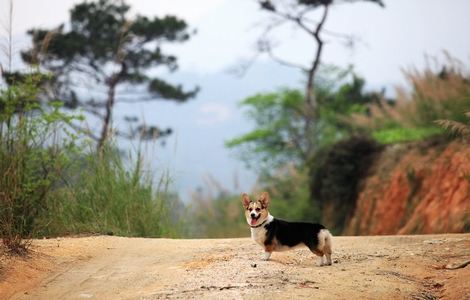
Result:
[{"x": 258, "y": 209}]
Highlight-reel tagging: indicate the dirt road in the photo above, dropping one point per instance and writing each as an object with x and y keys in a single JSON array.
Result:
[{"x": 102, "y": 267}]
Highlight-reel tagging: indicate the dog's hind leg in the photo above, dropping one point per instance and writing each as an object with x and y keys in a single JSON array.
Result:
[
  {"x": 320, "y": 255},
  {"x": 324, "y": 245},
  {"x": 327, "y": 248}
]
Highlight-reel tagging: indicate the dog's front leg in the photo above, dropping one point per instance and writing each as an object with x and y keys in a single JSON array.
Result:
[
  {"x": 322, "y": 261},
  {"x": 266, "y": 255}
]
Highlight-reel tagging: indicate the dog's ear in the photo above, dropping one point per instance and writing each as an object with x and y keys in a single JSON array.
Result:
[
  {"x": 245, "y": 200},
  {"x": 264, "y": 199}
]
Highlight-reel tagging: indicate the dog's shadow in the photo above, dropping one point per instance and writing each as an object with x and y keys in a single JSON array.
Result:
[{"x": 287, "y": 261}]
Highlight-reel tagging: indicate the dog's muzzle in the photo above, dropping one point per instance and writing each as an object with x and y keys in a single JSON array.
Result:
[{"x": 254, "y": 218}]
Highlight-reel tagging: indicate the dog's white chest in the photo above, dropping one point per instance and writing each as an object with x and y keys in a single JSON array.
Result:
[{"x": 259, "y": 235}]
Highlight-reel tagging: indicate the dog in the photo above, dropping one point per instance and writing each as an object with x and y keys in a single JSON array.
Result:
[{"x": 278, "y": 235}]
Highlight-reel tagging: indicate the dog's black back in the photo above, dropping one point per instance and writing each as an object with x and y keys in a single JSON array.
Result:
[{"x": 293, "y": 233}]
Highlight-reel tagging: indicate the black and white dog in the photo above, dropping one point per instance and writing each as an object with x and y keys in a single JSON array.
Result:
[{"x": 278, "y": 235}]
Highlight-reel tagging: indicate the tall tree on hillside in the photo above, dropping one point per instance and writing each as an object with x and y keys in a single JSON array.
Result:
[
  {"x": 102, "y": 57},
  {"x": 279, "y": 137},
  {"x": 303, "y": 15}
]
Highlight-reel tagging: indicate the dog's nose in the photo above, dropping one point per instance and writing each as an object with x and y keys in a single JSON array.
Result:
[{"x": 253, "y": 215}]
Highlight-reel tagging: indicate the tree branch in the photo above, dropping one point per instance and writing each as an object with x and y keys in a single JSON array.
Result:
[
  {"x": 88, "y": 132},
  {"x": 268, "y": 49}
]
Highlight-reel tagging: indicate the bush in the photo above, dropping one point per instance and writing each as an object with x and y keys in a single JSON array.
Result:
[
  {"x": 32, "y": 154},
  {"x": 336, "y": 177}
]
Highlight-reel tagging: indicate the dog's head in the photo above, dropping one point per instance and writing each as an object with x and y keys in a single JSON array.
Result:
[{"x": 256, "y": 212}]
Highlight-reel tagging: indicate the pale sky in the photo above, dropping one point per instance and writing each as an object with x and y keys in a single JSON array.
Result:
[{"x": 396, "y": 37}]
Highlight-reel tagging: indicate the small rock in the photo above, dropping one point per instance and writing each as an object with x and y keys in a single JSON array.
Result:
[
  {"x": 253, "y": 265},
  {"x": 433, "y": 242}
]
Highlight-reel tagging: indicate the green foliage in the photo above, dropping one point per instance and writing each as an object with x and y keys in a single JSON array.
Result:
[
  {"x": 279, "y": 127},
  {"x": 33, "y": 151},
  {"x": 51, "y": 186},
  {"x": 398, "y": 135},
  {"x": 281, "y": 134},
  {"x": 335, "y": 177},
  {"x": 109, "y": 198},
  {"x": 279, "y": 145}
]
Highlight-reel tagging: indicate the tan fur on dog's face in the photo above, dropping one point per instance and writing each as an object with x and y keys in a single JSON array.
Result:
[{"x": 256, "y": 212}]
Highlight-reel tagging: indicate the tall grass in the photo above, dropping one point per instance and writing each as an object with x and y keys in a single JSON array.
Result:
[
  {"x": 51, "y": 186},
  {"x": 32, "y": 155},
  {"x": 104, "y": 196},
  {"x": 436, "y": 93},
  {"x": 456, "y": 127}
]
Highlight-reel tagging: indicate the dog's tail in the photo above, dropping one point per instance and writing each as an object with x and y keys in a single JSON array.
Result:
[{"x": 325, "y": 241}]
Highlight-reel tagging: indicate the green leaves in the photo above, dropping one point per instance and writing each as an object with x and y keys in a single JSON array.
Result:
[
  {"x": 32, "y": 155},
  {"x": 281, "y": 134},
  {"x": 277, "y": 136},
  {"x": 164, "y": 90}
]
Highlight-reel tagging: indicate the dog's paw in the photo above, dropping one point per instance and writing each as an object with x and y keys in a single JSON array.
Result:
[{"x": 266, "y": 256}]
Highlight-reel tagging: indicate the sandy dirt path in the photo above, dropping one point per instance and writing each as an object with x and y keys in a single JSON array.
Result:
[{"x": 102, "y": 267}]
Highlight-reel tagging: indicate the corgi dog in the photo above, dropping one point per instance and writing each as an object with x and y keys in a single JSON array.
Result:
[{"x": 278, "y": 235}]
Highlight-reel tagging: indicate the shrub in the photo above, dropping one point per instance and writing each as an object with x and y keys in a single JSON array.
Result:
[
  {"x": 336, "y": 177},
  {"x": 32, "y": 154}
]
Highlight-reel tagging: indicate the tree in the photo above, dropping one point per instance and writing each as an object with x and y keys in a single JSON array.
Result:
[
  {"x": 300, "y": 14},
  {"x": 280, "y": 135},
  {"x": 278, "y": 145},
  {"x": 103, "y": 57}
]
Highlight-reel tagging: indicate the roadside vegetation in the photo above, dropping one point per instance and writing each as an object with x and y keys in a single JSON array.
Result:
[
  {"x": 59, "y": 178},
  {"x": 310, "y": 147},
  {"x": 54, "y": 183},
  {"x": 353, "y": 126}
]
